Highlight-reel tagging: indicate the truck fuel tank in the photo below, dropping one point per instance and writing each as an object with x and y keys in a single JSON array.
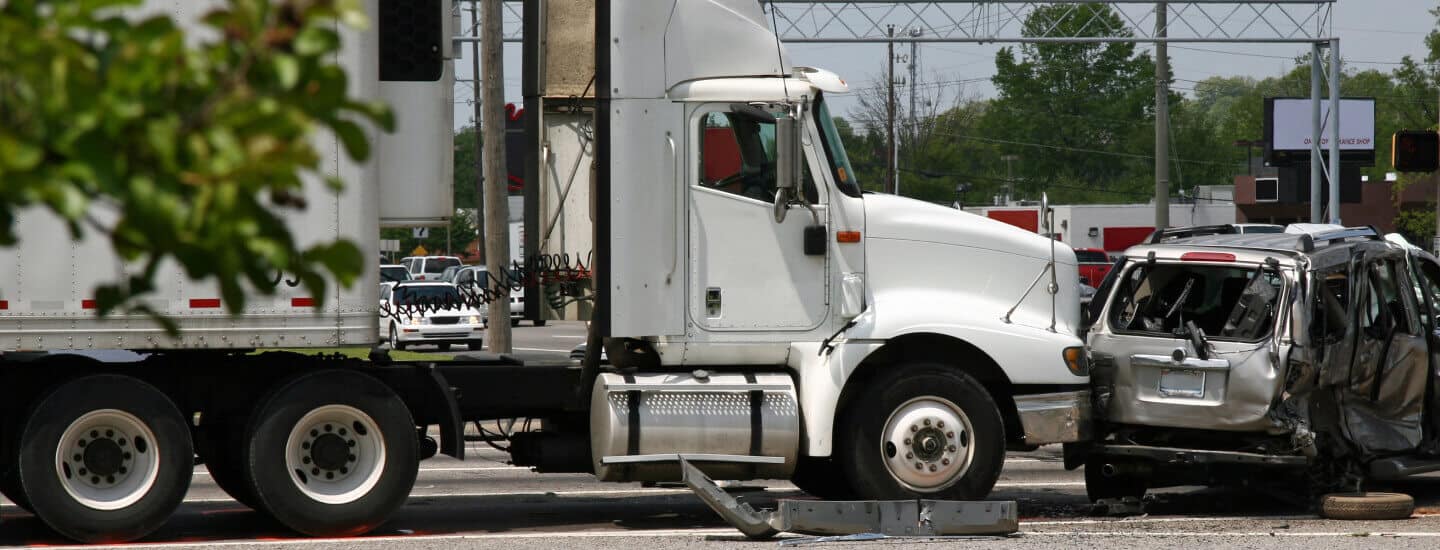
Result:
[{"x": 730, "y": 425}]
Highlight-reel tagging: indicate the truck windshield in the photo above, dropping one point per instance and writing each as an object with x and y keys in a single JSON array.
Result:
[{"x": 835, "y": 149}]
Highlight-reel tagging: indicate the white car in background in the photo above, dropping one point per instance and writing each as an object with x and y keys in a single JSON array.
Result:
[
  {"x": 478, "y": 276},
  {"x": 428, "y": 268},
  {"x": 425, "y": 312}
]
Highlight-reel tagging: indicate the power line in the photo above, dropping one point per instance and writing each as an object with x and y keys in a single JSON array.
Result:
[{"x": 1078, "y": 149}]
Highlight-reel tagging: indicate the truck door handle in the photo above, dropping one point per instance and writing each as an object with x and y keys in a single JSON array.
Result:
[
  {"x": 712, "y": 302},
  {"x": 674, "y": 215}
]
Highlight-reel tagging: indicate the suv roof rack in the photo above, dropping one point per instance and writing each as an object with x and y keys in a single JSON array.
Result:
[
  {"x": 1192, "y": 231},
  {"x": 1307, "y": 241}
]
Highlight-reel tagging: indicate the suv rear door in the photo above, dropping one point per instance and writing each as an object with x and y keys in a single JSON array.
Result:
[
  {"x": 1159, "y": 376},
  {"x": 1385, "y": 389}
]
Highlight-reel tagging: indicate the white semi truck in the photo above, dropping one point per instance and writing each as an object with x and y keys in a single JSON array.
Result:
[{"x": 762, "y": 317}]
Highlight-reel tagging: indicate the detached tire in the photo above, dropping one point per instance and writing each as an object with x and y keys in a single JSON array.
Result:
[
  {"x": 922, "y": 430},
  {"x": 331, "y": 453},
  {"x": 105, "y": 458},
  {"x": 1367, "y": 506}
]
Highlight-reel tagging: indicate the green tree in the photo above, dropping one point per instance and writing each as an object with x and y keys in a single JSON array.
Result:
[
  {"x": 1060, "y": 102},
  {"x": 198, "y": 147}
]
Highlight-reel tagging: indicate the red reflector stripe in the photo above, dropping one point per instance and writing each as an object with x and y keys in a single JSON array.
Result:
[
  {"x": 847, "y": 236},
  {"x": 204, "y": 302},
  {"x": 302, "y": 302},
  {"x": 87, "y": 304},
  {"x": 1207, "y": 257},
  {"x": 4, "y": 304}
]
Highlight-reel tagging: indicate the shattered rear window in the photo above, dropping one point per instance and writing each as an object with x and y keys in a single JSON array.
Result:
[{"x": 1226, "y": 302}]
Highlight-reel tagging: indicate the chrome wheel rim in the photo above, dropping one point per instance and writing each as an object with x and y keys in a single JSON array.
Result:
[{"x": 927, "y": 444}]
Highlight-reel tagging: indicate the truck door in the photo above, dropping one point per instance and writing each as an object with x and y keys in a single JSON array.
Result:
[{"x": 748, "y": 273}]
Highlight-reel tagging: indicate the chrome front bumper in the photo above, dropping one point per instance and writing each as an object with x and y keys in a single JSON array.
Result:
[{"x": 1055, "y": 417}]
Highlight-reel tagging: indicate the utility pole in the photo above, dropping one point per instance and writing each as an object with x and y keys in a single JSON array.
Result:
[
  {"x": 1162, "y": 119},
  {"x": 497, "y": 215},
  {"x": 479, "y": 151},
  {"x": 892, "y": 169},
  {"x": 1316, "y": 72},
  {"x": 915, "y": 32}
]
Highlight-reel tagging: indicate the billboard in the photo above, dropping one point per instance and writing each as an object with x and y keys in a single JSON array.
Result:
[{"x": 1289, "y": 130}]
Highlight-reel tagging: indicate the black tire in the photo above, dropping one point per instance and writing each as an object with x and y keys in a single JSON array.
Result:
[
  {"x": 1098, "y": 485},
  {"x": 475, "y": 345},
  {"x": 395, "y": 342},
  {"x": 443, "y": 347},
  {"x": 864, "y": 458},
  {"x": 278, "y": 487},
  {"x": 514, "y": 322},
  {"x": 822, "y": 478},
  {"x": 539, "y": 322},
  {"x": 166, "y": 451},
  {"x": 10, "y": 488},
  {"x": 222, "y": 446},
  {"x": 1367, "y": 506}
]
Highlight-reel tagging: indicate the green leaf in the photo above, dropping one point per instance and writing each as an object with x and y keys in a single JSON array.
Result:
[
  {"x": 316, "y": 40},
  {"x": 17, "y": 155},
  {"x": 287, "y": 71},
  {"x": 357, "y": 144}
]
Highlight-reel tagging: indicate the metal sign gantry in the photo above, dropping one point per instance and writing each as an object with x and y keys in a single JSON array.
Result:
[{"x": 1140, "y": 21}]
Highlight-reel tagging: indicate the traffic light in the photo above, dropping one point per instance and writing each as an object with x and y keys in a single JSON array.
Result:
[{"x": 1415, "y": 151}]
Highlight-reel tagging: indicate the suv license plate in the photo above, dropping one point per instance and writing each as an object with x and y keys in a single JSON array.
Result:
[{"x": 1182, "y": 383}]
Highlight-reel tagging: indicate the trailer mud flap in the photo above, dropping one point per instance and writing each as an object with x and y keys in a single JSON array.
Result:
[
  {"x": 452, "y": 429},
  {"x": 891, "y": 518}
]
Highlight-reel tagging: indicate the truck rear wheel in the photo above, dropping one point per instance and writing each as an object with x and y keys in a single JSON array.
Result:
[
  {"x": 105, "y": 458},
  {"x": 332, "y": 453},
  {"x": 922, "y": 430}
]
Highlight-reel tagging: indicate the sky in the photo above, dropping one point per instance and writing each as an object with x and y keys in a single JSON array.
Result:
[{"x": 1374, "y": 34}]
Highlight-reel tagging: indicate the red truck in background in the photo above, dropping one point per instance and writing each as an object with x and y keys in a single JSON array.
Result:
[{"x": 1094, "y": 264}]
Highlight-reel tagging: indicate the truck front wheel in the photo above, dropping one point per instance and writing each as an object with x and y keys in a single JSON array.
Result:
[
  {"x": 105, "y": 458},
  {"x": 922, "y": 430},
  {"x": 332, "y": 453}
]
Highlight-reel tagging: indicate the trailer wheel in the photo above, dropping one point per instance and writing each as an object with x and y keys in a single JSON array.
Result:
[
  {"x": 332, "y": 453},
  {"x": 922, "y": 430},
  {"x": 1367, "y": 506},
  {"x": 105, "y": 458},
  {"x": 10, "y": 488},
  {"x": 222, "y": 447}
]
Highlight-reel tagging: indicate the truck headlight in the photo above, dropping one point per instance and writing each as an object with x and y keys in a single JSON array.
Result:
[{"x": 1077, "y": 361}]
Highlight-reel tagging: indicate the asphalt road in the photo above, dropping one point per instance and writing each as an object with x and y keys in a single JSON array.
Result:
[{"x": 484, "y": 503}]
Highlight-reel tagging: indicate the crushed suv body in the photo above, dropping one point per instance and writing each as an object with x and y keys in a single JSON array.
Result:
[{"x": 1216, "y": 353}]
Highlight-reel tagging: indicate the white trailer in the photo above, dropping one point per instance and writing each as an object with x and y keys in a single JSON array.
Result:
[{"x": 761, "y": 316}]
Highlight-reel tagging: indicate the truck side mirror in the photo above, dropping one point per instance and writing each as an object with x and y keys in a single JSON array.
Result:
[{"x": 787, "y": 163}]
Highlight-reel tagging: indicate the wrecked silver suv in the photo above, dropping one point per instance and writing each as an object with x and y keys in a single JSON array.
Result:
[{"x": 1304, "y": 359}]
